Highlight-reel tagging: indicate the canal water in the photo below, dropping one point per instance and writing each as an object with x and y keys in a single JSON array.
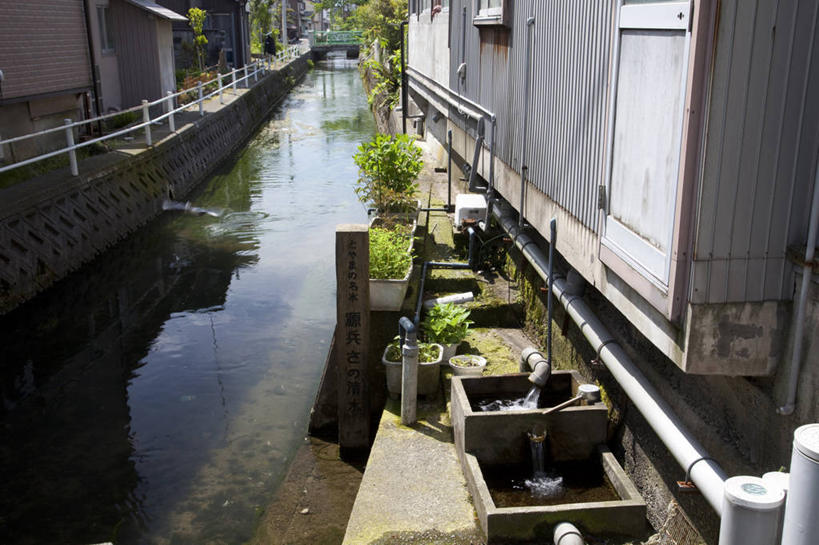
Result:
[{"x": 158, "y": 394}]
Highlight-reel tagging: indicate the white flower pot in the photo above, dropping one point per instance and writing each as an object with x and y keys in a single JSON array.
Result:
[
  {"x": 428, "y": 375},
  {"x": 475, "y": 370}
]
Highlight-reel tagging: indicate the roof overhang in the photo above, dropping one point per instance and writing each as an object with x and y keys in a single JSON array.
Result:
[{"x": 155, "y": 9}]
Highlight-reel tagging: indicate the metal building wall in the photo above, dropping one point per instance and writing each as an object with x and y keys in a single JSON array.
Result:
[
  {"x": 135, "y": 43},
  {"x": 760, "y": 152},
  {"x": 569, "y": 69}
]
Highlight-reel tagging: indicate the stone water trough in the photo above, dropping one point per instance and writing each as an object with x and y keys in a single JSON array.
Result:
[{"x": 494, "y": 443}]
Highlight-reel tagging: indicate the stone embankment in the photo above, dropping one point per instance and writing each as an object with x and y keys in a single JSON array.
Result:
[{"x": 53, "y": 224}]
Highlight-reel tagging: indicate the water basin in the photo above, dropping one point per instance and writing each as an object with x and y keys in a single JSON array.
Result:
[
  {"x": 603, "y": 502},
  {"x": 500, "y": 436}
]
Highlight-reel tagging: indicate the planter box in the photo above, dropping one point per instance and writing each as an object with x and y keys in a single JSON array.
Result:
[
  {"x": 500, "y": 437},
  {"x": 388, "y": 294},
  {"x": 428, "y": 375}
]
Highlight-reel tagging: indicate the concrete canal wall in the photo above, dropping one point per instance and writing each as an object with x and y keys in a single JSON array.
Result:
[{"x": 50, "y": 227}]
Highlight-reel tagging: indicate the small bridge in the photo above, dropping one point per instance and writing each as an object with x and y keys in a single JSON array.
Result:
[{"x": 325, "y": 41}]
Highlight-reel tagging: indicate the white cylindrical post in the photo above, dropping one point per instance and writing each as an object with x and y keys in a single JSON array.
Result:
[
  {"x": 233, "y": 75},
  {"x": 801, "y": 526},
  {"x": 247, "y": 81},
  {"x": 201, "y": 102},
  {"x": 221, "y": 94},
  {"x": 146, "y": 118},
  {"x": 750, "y": 512},
  {"x": 256, "y": 71},
  {"x": 409, "y": 381},
  {"x": 171, "y": 122},
  {"x": 72, "y": 154}
]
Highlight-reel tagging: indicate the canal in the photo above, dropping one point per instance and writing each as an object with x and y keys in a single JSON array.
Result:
[{"x": 158, "y": 394}]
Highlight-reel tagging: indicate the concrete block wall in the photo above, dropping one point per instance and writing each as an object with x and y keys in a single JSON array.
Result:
[{"x": 55, "y": 229}]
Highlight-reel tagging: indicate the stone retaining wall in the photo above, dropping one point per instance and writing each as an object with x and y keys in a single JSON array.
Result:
[{"x": 53, "y": 230}]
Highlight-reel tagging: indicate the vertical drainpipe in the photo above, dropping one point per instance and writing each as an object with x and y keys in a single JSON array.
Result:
[
  {"x": 403, "y": 80},
  {"x": 807, "y": 274},
  {"x": 94, "y": 65},
  {"x": 523, "y": 168}
]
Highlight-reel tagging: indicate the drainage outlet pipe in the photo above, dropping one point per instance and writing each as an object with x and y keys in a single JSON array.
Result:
[
  {"x": 541, "y": 368},
  {"x": 801, "y": 526},
  {"x": 567, "y": 533},
  {"x": 750, "y": 512},
  {"x": 704, "y": 472}
]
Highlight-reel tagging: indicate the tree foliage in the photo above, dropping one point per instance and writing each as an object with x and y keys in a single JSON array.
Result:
[
  {"x": 196, "y": 19},
  {"x": 381, "y": 20}
]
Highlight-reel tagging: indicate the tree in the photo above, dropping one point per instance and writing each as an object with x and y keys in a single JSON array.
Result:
[
  {"x": 381, "y": 20},
  {"x": 196, "y": 19}
]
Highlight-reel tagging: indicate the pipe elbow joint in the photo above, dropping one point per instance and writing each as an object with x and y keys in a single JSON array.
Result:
[{"x": 531, "y": 358}]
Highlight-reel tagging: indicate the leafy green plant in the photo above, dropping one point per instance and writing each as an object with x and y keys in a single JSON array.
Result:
[
  {"x": 427, "y": 352},
  {"x": 388, "y": 166},
  {"x": 446, "y": 324},
  {"x": 389, "y": 257},
  {"x": 387, "y": 79},
  {"x": 196, "y": 19}
]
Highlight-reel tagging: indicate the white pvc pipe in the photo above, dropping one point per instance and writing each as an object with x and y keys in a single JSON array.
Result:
[
  {"x": 567, "y": 533},
  {"x": 705, "y": 473},
  {"x": 807, "y": 274}
]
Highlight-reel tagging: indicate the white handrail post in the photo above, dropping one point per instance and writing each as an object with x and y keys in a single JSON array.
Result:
[
  {"x": 247, "y": 81},
  {"x": 201, "y": 101},
  {"x": 171, "y": 122},
  {"x": 146, "y": 118},
  {"x": 233, "y": 74},
  {"x": 72, "y": 154},
  {"x": 221, "y": 97},
  {"x": 256, "y": 71}
]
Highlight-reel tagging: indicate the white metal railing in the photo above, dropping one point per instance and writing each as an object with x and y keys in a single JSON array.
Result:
[{"x": 237, "y": 76}]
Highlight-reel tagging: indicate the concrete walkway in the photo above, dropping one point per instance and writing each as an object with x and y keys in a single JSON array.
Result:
[{"x": 413, "y": 490}]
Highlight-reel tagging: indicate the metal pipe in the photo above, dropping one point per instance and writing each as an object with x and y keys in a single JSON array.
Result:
[
  {"x": 409, "y": 370},
  {"x": 550, "y": 313},
  {"x": 706, "y": 473},
  {"x": 807, "y": 274},
  {"x": 449, "y": 170},
  {"x": 523, "y": 166},
  {"x": 473, "y": 171},
  {"x": 403, "y": 80}
]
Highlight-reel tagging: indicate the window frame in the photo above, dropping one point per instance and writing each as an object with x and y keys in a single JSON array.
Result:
[
  {"x": 671, "y": 297},
  {"x": 107, "y": 46},
  {"x": 491, "y": 16}
]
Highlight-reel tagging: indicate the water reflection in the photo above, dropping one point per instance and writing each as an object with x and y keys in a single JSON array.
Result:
[{"x": 157, "y": 394}]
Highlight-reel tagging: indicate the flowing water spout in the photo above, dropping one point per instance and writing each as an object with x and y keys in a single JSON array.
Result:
[{"x": 544, "y": 483}]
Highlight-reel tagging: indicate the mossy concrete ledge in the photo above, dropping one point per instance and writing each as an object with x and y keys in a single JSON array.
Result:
[
  {"x": 413, "y": 490},
  {"x": 51, "y": 225}
]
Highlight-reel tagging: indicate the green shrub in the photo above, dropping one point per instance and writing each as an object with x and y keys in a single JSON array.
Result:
[
  {"x": 388, "y": 253},
  {"x": 388, "y": 166},
  {"x": 446, "y": 324}
]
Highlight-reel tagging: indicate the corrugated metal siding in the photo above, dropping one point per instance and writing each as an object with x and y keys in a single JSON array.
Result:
[
  {"x": 136, "y": 42},
  {"x": 760, "y": 155},
  {"x": 43, "y": 47},
  {"x": 569, "y": 69}
]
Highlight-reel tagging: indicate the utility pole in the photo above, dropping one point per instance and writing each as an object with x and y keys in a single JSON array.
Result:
[{"x": 284, "y": 39}]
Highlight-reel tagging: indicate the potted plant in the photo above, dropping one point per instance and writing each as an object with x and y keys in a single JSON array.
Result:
[
  {"x": 447, "y": 324},
  {"x": 388, "y": 166},
  {"x": 430, "y": 356},
  {"x": 390, "y": 266},
  {"x": 467, "y": 365}
]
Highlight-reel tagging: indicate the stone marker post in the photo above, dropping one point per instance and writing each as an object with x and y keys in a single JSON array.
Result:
[{"x": 352, "y": 336}]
